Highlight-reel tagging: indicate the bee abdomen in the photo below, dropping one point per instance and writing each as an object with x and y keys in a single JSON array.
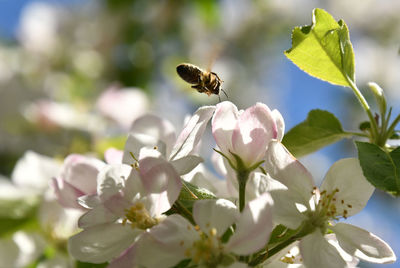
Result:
[{"x": 189, "y": 72}]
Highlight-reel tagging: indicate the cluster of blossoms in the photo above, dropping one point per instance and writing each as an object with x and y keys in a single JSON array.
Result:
[{"x": 156, "y": 205}]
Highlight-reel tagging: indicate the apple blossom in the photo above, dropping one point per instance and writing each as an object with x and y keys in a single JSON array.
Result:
[
  {"x": 27, "y": 192},
  {"x": 247, "y": 133},
  {"x": 176, "y": 239},
  {"x": 77, "y": 178},
  {"x": 129, "y": 200},
  {"x": 343, "y": 193},
  {"x": 154, "y": 132}
]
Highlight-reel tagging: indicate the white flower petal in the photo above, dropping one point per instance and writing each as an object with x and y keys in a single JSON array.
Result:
[
  {"x": 223, "y": 123},
  {"x": 186, "y": 164},
  {"x": 113, "y": 156},
  {"x": 285, "y": 210},
  {"x": 214, "y": 213},
  {"x": 95, "y": 216},
  {"x": 317, "y": 252},
  {"x": 160, "y": 179},
  {"x": 67, "y": 195},
  {"x": 111, "y": 179},
  {"x": 253, "y": 227},
  {"x": 280, "y": 124},
  {"x": 260, "y": 183},
  {"x": 351, "y": 261},
  {"x": 135, "y": 142},
  {"x": 128, "y": 259},
  {"x": 81, "y": 172},
  {"x": 35, "y": 171},
  {"x": 62, "y": 222},
  {"x": 354, "y": 190},
  {"x": 254, "y": 129},
  {"x": 21, "y": 249},
  {"x": 101, "y": 243},
  {"x": 89, "y": 201},
  {"x": 160, "y": 129},
  {"x": 192, "y": 132},
  {"x": 363, "y": 244},
  {"x": 164, "y": 245},
  {"x": 285, "y": 168}
]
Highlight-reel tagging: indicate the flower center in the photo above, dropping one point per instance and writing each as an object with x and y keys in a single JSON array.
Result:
[
  {"x": 328, "y": 209},
  {"x": 207, "y": 251},
  {"x": 138, "y": 217}
]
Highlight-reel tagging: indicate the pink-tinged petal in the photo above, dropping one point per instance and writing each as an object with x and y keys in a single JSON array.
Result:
[
  {"x": 363, "y": 244},
  {"x": 254, "y": 129},
  {"x": 128, "y": 258},
  {"x": 167, "y": 241},
  {"x": 165, "y": 244},
  {"x": 285, "y": 168},
  {"x": 280, "y": 124},
  {"x": 117, "y": 204},
  {"x": 161, "y": 180},
  {"x": 111, "y": 179},
  {"x": 123, "y": 105},
  {"x": 253, "y": 227},
  {"x": 101, "y": 243},
  {"x": 66, "y": 194},
  {"x": 34, "y": 171},
  {"x": 81, "y": 171},
  {"x": 96, "y": 216},
  {"x": 317, "y": 252},
  {"x": 354, "y": 190},
  {"x": 186, "y": 164},
  {"x": 223, "y": 123},
  {"x": 113, "y": 156},
  {"x": 192, "y": 132},
  {"x": 218, "y": 214}
]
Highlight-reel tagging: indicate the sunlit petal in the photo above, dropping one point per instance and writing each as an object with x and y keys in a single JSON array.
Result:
[
  {"x": 363, "y": 244},
  {"x": 253, "y": 227}
]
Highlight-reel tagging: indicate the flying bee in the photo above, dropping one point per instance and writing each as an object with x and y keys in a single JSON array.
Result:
[{"x": 204, "y": 81}]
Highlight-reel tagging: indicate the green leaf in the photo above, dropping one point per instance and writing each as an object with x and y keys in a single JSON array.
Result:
[
  {"x": 192, "y": 192},
  {"x": 382, "y": 169},
  {"x": 323, "y": 49},
  {"x": 320, "y": 129}
]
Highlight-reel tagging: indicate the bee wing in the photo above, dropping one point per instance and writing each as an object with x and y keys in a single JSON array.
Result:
[{"x": 216, "y": 50}]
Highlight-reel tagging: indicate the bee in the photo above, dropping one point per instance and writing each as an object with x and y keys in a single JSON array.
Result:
[{"x": 204, "y": 81}]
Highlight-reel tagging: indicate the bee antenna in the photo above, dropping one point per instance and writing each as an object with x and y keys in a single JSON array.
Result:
[{"x": 224, "y": 93}]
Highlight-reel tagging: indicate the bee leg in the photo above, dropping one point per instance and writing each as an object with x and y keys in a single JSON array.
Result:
[
  {"x": 199, "y": 88},
  {"x": 219, "y": 98},
  {"x": 217, "y": 76}
]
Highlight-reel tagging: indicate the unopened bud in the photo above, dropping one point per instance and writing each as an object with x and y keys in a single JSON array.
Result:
[{"x": 379, "y": 96}]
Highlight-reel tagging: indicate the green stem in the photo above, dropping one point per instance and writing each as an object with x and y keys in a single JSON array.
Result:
[
  {"x": 350, "y": 133},
  {"x": 392, "y": 127},
  {"x": 364, "y": 104},
  {"x": 242, "y": 177}
]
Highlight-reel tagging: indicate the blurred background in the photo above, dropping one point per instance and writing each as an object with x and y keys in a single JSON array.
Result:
[{"x": 75, "y": 74}]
